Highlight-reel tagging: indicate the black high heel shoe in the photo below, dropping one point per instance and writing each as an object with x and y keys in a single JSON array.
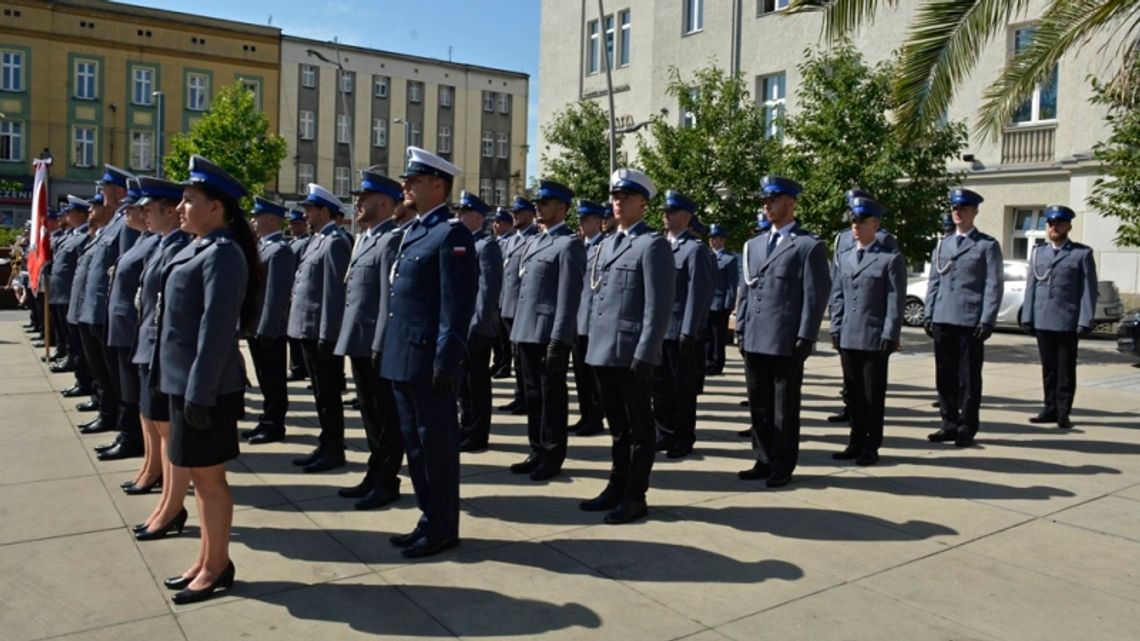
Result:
[
  {"x": 138, "y": 527},
  {"x": 178, "y": 522},
  {"x": 134, "y": 488},
  {"x": 177, "y": 582},
  {"x": 224, "y": 581}
]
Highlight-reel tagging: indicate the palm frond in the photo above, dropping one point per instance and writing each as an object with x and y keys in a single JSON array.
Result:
[
  {"x": 1064, "y": 25},
  {"x": 841, "y": 17}
]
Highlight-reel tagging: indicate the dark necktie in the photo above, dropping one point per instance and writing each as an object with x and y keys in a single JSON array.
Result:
[
  {"x": 773, "y": 238},
  {"x": 859, "y": 255},
  {"x": 960, "y": 239}
]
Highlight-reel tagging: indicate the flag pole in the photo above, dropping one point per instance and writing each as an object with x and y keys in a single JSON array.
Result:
[{"x": 47, "y": 322}]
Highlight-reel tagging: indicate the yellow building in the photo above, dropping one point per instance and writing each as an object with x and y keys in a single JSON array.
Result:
[{"x": 84, "y": 80}]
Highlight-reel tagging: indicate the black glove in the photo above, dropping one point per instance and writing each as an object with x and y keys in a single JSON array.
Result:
[
  {"x": 557, "y": 358},
  {"x": 198, "y": 417},
  {"x": 928, "y": 327},
  {"x": 688, "y": 345},
  {"x": 325, "y": 350},
  {"x": 643, "y": 371},
  {"x": 376, "y": 361},
  {"x": 888, "y": 347},
  {"x": 1028, "y": 329},
  {"x": 442, "y": 382},
  {"x": 1084, "y": 331},
  {"x": 835, "y": 341},
  {"x": 983, "y": 331},
  {"x": 803, "y": 348}
]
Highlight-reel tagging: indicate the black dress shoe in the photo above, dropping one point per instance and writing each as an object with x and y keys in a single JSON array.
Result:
[
  {"x": 121, "y": 451},
  {"x": 544, "y": 472},
  {"x": 663, "y": 444},
  {"x": 590, "y": 430},
  {"x": 849, "y": 453},
  {"x": 468, "y": 445},
  {"x": 352, "y": 403},
  {"x": 296, "y": 376},
  {"x": 755, "y": 473},
  {"x": 607, "y": 500},
  {"x": 942, "y": 435},
  {"x": 842, "y": 417},
  {"x": 325, "y": 463},
  {"x": 964, "y": 439},
  {"x": 377, "y": 498},
  {"x": 177, "y": 582},
  {"x": 247, "y": 434},
  {"x": 60, "y": 368},
  {"x": 308, "y": 459},
  {"x": 1044, "y": 417},
  {"x": 404, "y": 540},
  {"x": 99, "y": 449},
  {"x": 512, "y": 406},
  {"x": 679, "y": 451},
  {"x": 778, "y": 480},
  {"x": 502, "y": 372},
  {"x": 745, "y": 433},
  {"x": 76, "y": 391},
  {"x": 869, "y": 457},
  {"x": 224, "y": 581},
  {"x": 745, "y": 403},
  {"x": 135, "y": 489},
  {"x": 423, "y": 547},
  {"x": 90, "y": 405},
  {"x": 38, "y": 343},
  {"x": 176, "y": 523},
  {"x": 267, "y": 436},
  {"x": 527, "y": 466},
  {"x": 1064, "y": 423},
  {"x": 358, "y": 491},
  {"x": 95, "y": 426},
  {"x": 627, "y": 512},
  {"x": 518, "y": 411}
]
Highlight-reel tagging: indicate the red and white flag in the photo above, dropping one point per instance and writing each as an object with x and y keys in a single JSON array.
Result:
[{"x": 39, "y": 245}]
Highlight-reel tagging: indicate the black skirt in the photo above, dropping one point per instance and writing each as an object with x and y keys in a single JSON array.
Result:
[
  {"x": 190, "y": 447},
  {"x": 153, "y": 405}
]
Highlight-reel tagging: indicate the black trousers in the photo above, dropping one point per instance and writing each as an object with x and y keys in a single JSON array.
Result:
[
  {"x": 547, "y": 404},
  {"x": 867, "y": 396},
  {"x": 1058, "y": 352},
  {"x": 774, "y": 387},
  {"x": 297, "y": 359},
  {"x": 430, "y": 428},
  {"x": 475, "y": 391},
  {"x": 128, "y": 374},
  {"x": 78, "y": 359},
  {"x": 59, "y": 339},
  {"x": 268, "y": 356},
  {"x": 35, "y": 304},
  {"x": 326, "y": 371},
  {"x": 717, "y": 341},
  {"x": 627, "y": 403},
  {"x": 958, "y": 358},
  {"x": 845, "y": 365},
  {"x": 519, "y": 396},
  {"x": 105, "y": 383},
  {"x": 381, "y": 424},
  {"x": 675, "y": 394},
  {"x": 586, "y": 385},
  {"x": 501, "y": 349}
]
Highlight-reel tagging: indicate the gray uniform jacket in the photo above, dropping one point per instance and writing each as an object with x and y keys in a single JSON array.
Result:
[
  {"x": 78, "y": 284},
  {"x": 867, "y": 297},
  {"x": 389, "y": 248},
  {"x": 1060, "y": 295},
  {"x": 485, "y": 322},
  {"x": 122, "y": 315},
  {"x": 105, "y": 251},
  {"x": 64, "y": 261},
  {"x": 783, "y": 294},
  {"x": 845, "y": 242},
  {"x": 512, "y": 254},
  {"x": 197, "y": 354},
  {"x": 362, "y": 294},
  {"x": 299, "y": 245},
  {"x": 150, "y": 286},
  {"x": 318, "y": 289},
  {"x": 593, "y": 251},
  {"x": 632, "y": 282},
  {"x": 966, "y": 281},
  {"x": 278, "y": 264},
  {"x": 693, "y": 288},
  {"x": 726, "y": 280},
  {"x": 551, "y": 270}
]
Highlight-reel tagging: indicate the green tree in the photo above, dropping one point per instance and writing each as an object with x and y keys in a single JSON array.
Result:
[
  {"x": 577, "y": 150},
  {"x": 1117, "y": 191},
  {"x": 842, "y": 137},
  {"x": 717, "y": 155},
  {"x": 233, "y": 134}
]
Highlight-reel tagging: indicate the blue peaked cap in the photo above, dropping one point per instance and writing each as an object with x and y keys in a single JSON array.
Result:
[
  {"x": 204, "y": 172},
  {"x": 503, "y": 216},
  {"x": 590, "y": 208},
  {"x": 470, "y": 201},
  {"x": 776, "y": 185},
  {"x": 1059, "y": 212},
  {"x": 297, "y": 216},
  {"x": 762, "y": 223},
  {"x": 266, "y": 206},
  {"x": 854, "y": 193},
  {"x": 522, "y": 204},
  {"x": 865, "y": 207},
  {"x": 112, "y": 175},
  {"x": 677, "y": 200},
  {"x": 717, "y": 231},
  {"x": 962, "y": 196},
  {"x": 375, "y": 182},
  {"x": 158, "y": 189},
  {"x": 550, "y": 190}
]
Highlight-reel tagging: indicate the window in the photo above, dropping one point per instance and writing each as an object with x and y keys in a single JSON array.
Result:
[
  {"x": 142, "y": 150},
  {"x": 254, "y": 87},
  {"x": 688, "y": 118},
  {"x": 623, "y": 49},
  {"x": 485, "y": 189},
  {"x": 307, "y": 125},
  {"x": 415, "y": 91},
  {"x": 197, "y": 90},
  {"x": 770, "y": 6},
  {"x": 444, "y": 139},
  {"x": 142, "y": 91},
  {"x": 504, "y": 103},
  {"x": 84, "y": 146},
  {"x": 1028, "y": 231},
  {"x": 504, "y": 145},
  {"x": 308, "y": 76},
  {"x": 347, "y": 80},
  {"x": 592, "y": 47},
  {"x": 694, "y": 16},
  {"x": 500, "y": 192},
  {"x": 85, "y": 77},
  {"x": 379, "y": 132},
  {"x": 11, "y": 140},
  {"x": 380, "y": 86},
  {"x": 416, "y": 138},
  {"x": 341, "y": 182},
  {"x": 488, "y": 101},
  {"x": 343, "y": 128},
  {"x": 304, "y": 174},
  {"x": 1042, "y": 105},
  {"x": 488, "y": 144},
  {"x": 12, "y": 71},
  {"x": 444, "y": 96},
  {"x": 610, "y": 35},
  {"x": 773, "y": 97}
]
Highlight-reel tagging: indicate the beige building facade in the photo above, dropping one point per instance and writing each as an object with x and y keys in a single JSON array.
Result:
[
  {"x": 346, "y": 108},
  {"x": 1042, "y": 158}
]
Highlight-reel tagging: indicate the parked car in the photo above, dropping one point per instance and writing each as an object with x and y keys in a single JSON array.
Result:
[
  {"x": 1128, "y": 333},
  {"x": 1109, "y": 307}
]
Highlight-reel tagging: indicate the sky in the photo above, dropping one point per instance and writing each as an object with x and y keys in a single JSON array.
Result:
[{"x": 492, "y": 33}]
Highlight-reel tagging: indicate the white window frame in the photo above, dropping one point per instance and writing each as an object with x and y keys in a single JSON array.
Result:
[
  {"x": 202, "y": 92},
  {"x": 1024, "y": 237},
  {"x": 305, "y": 174},
  {"x": 504, "y": 103},
  {"x": 11, "y": 70},
  {"x": 445, "y": 96},
  {"x": 142, "y": 150},
  {"x": 444, "y": 139},
  {"x": 609, "y": 40},
  {"x": 142, "y": 86},
  {"x": 593, "y": 39},
  {"x": 488, "y": 144},
  {"x": 415, "y": 91},
  {"x": 688, "y": 118},
  {"x": 489, "y": 101},
  {"x": 500, "y": 192},
  {"x": 254, "y": 87},
  {"x": 503, "y": 140},
  {"x": 379, "y": 132},
  {"x": 772, "y": 90},
  {"x": 380, "y": 86},
  {"x": 306, "y": 124},
  {"x": 86, "y": 79},
  {"x": 308, "y": 76},
  {"x": 86, "y": 155},
  {"x": 347, "y": 81},
  {"x": 485, "y": 189},
  {"x": 343, "y": 128},
  {"x": 625, "y": 31},
  {"x": 693, "y": 20},
  {"x": 342, "y": 182},
  {"x": 12, "y": 133},
  {"x": 416, "y": 136},
  {"x": 766, "y": 7},
  {"x": 1034, "y": 101}
]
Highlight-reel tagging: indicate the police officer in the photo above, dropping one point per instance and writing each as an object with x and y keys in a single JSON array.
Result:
[
  {"x": 522, "y": 210},
  {"x": 1059, "y": 307},
  {"x": 267, "y": 343},
  {"x": 434, "y": 282},
  {"x": 590, "y": 215},
  {"x": 550, "y": 272},
  {"x": 962, "y": 302},
  {"x": 475, "y": 390},
  {"x": 54, "y": 225},
  {"x": 868, "y": 292},
  {"x": 83, "y": 371},
  {"x": 65, "y": 260},
  {"x": 299, "y": 231},
  {"x": 726, "y": 280},
  {"x": 502, "y": 224},
  {"x": 315, "y": 315},
  {"x": 630, "y": 312},
  {"x": 786, "y": 283},
  {"x": 682, "y": 359}
]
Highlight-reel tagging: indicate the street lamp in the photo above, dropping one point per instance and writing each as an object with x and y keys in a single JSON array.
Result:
[
  {"x": 313, "y": 53},
  {"x": 160, "y": 127},
  {"x": 407, "y": 131}
]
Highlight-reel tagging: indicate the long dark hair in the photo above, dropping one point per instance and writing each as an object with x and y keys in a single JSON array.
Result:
[{"x": 243, "y": 236}]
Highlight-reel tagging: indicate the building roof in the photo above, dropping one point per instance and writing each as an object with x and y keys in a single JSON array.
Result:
[
  {"x": 403, "y": 56},
  {"x": 134, "y": 11}
]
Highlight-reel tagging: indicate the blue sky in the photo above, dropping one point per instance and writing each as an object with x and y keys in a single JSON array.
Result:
[{"x": 493, "y": 33}]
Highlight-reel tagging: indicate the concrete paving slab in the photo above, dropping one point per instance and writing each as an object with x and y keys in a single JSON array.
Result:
[
  {"x": 47, "y": 509},
  {"x": 43, "y": 460},
  {"x": 1110, "y": 514},
  {"x": 159, "y": 628}
]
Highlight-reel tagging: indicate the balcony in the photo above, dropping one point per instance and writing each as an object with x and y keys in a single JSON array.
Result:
[{"x": 1028, "y": 144}]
